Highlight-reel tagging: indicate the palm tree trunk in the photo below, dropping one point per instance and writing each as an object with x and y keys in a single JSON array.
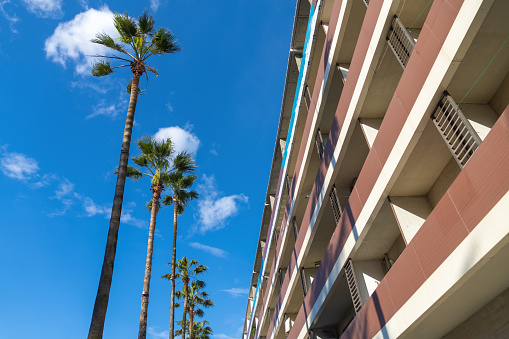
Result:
[
  {"x": 174, "y": 261},
  {"x": 186, "y": 299},
  {"x": 103, "y": 291},
  {"x": 191, "y": 324},
  {"x": 156, "y": 194}
]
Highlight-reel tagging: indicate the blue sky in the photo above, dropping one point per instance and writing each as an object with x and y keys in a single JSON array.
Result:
[{"x": 60, "y": 140}]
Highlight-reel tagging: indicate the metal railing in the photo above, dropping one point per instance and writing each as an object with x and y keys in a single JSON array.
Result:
[
  {"x": 401, "y": 43},
  {"x": 303, "y": 281},
  {"x": 287, "y": 184},
  {"x": 336, "y": 209},
  {"x": 353, "y": 286},
  {"x": 307, "y": 97},
  {"x": 319, "y": 143},
  {"x": 295, "y": 228},
  {"x": 459, "y": 136}
]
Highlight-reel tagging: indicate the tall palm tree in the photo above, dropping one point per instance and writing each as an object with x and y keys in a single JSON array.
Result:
[
  {"x": 182, "y": 194},
  {"x": 197, "y": 299},
  {"x": 187, "y": 270},
  {"x": 138, "y": 41},
  {"x": 156, "y": 157}
]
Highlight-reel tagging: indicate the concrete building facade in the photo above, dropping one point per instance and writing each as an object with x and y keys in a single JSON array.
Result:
[{"x": 387, "y": 207}]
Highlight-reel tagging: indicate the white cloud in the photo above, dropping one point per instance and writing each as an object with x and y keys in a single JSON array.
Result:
[
  {"x": 18, "y": 166},
  {"x": 64, "y": 195},
  {"x": 44, "y": 8},
  {"x": 71, "y": 39},
  {"x": 182, "y": 138},
  {"x": 215, "y": 210},
  {"x": 236, "y": 292},
  {"x": 154, "y": 5},
  {"x": 43, "y": 181},
  {"x": 11, "y": 19},
  {"x": 92, "y": 209},
  {"x": 217, "y": 252},
  {"x": 155, "y": 334},
  {"x": 223, "y": 336}
]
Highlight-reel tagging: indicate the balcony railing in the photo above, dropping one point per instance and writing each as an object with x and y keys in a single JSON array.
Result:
[
  {"x": 295, "y": 228},
  {"x": 307, "y": 96},
  {"x": 455, "y": 129},
  {"x": 353, "y": 286},
  {"x": 336, "y": 210},
  {"x": 319, "y": 143},
  {"x": 401, "y": 43},
  {"x": 303, "y": 281}
]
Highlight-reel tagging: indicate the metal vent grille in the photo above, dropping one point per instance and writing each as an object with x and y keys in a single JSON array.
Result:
[
  {"x": 455, "y": 129},
  {"x": 335, "y": 204},
  {"x": 319, "y": 143},
  {"x": 400, "y": 41},
  {"x": 366, "y": 2},
  {"x": 352, "y": 286},
  {"x": 295, "y": 228}
]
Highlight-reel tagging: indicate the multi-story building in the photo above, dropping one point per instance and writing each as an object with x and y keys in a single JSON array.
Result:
[{"x": 387, "y": 208}]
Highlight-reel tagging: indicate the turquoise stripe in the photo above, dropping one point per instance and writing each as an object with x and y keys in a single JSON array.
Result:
[{"x": 299, "y": 81}]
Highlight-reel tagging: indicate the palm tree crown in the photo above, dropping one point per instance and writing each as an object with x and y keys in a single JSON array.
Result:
[{"x": 138, "y": 41}]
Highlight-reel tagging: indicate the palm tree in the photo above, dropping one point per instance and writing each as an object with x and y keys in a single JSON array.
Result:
[
  {"x": 138, "y": 41},
  {"x": 197, "y": 298},
  {"x": 187, "y": 270},
  {"x": 201, "y": 330},
  {"x": 155, "y": 158},
  {"x": 180, "y": 185}
]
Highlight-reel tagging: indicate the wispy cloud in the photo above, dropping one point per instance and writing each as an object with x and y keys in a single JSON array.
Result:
[
  {"x": 44, "y": 8},
  {"x": 152, "y": 331},
  {"x": 214, "y": 210},
  {"x": 18, "y": 166},
  {"x": 183, "y": 139},
  {"x": 217, "y": 252},
  {"x": 223, "y": 336},
  {"x": 64, "y": 194},
  {"x": 110, "y": 110},
  {"x": 71, "y": 40},
  {"x": 12, "y": 19},
  {"x": 154, "y": 5},
  {"x": 21, "y": 167},
  {"x": 236, "y": 292}
]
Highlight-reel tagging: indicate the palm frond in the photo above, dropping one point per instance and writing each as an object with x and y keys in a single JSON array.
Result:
[
  {"x": 184, "y": 162},
  {"x": 101, "y": 68},
  {"x": 133, "y": 173},
  {"x": 164, "y": 41},
  {"x": 125, "y": 26},
  {"x": 146, "y": 24},
  {"x": 105, "y": 40}
]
